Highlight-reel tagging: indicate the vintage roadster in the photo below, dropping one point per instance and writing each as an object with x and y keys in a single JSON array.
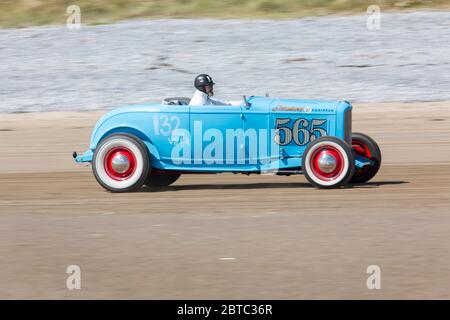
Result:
[{"x": 154, "y": 143}]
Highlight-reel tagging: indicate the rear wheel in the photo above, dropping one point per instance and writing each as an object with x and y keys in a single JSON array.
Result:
[
  {"x": 121, "y": 163},
  {"x": 365, "y": 146},
  {"x": 159, "y": 179},
  {"x": 328, "y": 162}
]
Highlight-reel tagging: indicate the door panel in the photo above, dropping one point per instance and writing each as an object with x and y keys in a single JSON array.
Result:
[{"x": 208, "y": 127}]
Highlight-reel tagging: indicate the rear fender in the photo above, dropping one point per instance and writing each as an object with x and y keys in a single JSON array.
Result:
[{"x": 154, "y": 153}]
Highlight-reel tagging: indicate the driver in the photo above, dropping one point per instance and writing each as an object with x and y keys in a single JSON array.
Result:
[{"x": 205, "y": 90}]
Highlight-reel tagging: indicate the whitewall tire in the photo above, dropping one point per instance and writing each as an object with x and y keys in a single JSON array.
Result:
[
  {"x": 121, "y": 163},
  {"x": 328, "y": 162}
]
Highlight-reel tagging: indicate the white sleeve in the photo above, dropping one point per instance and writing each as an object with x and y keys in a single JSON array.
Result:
[
  {"x": 228, "y": 103},
  {"x": 235, "y": 103},
  {"x": 217, "y": 102},
  {"x": 202, "y": 99}
]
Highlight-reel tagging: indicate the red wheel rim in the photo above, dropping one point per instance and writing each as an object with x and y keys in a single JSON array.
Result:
[
  {"x": 361, "y": 149},
  {"x": 127, "y": 165},
  {"x": 317, "y": 168}
]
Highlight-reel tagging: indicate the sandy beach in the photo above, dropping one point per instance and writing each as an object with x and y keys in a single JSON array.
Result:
[{"x": 226, "y": 236}]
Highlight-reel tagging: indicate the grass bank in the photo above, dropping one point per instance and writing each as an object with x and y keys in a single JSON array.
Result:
[{"x": 21, "y": 13}]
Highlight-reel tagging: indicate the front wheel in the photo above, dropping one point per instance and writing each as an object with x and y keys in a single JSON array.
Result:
[
  {"x": 328, "y": 162},
  {"x": 121, "y": 163}
]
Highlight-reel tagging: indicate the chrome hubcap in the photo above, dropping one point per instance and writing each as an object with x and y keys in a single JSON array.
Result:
[
  {"x": 326, "y": 162},
  {"x": 120, "y": 163}
]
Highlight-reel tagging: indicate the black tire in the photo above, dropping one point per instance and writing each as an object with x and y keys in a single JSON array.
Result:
[
  {"x": 138, "y": 169},
  {"x": 363, "y": 141},
  {"x": 158, "y": 179},
  {"x": 344, "y": 164}
]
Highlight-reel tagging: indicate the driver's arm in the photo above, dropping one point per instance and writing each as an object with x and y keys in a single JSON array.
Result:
[
  {"x": 235, "y": 102},
  {"x": 228, "y": 103}
]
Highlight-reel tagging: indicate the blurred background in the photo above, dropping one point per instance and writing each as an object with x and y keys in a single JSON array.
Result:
[
  {"x": 36, "y": 12},
  {"x": 295, "y": 48}
]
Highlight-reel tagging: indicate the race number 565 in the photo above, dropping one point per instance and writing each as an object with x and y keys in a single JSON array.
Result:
[{"x": 302, "y": 132}]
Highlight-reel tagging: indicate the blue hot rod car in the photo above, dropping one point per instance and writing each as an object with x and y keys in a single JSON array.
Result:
[{"x": 154, "y": 143}]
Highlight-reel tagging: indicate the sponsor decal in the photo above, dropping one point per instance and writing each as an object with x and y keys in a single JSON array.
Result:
[{"x": 307, "y": 109}]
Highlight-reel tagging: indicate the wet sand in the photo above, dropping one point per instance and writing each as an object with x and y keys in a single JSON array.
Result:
[{"x": 226, "y": 236}]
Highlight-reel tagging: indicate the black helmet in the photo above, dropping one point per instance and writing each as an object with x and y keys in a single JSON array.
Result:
[{"x": 203, "y": 80}]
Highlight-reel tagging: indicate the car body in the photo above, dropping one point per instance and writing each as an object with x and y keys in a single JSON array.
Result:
[{"x": 261, "y": 135}]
